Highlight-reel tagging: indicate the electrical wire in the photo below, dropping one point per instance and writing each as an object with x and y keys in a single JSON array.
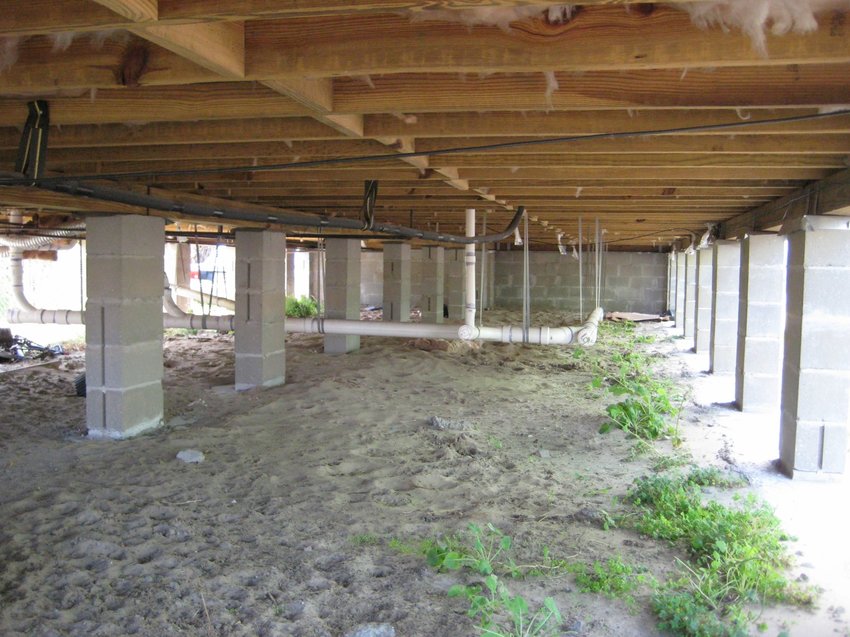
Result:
[{"x": 18, "y": 181}]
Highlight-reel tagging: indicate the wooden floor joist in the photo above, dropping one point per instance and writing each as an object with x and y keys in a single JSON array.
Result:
[{"x": 168, "y": 88}]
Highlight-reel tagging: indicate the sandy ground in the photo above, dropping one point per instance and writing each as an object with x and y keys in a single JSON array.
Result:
[{"x": 284, "y": 529}]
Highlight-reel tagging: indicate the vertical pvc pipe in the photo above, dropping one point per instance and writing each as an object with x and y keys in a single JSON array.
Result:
[
  {"x": 526, "y": 285},
  {"x": 469, "y": 249},
  {"x": 598, "y": 261},
  {"x": 482, "y": 294},
  {"x": 580, "y": 270}
]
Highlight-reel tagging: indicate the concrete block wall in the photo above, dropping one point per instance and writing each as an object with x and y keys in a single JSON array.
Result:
[
  {"x": 634, "y": 281},
  {"x": 372, "y": 278}
]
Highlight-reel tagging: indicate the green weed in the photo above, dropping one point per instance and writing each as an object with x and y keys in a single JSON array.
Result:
[
  {"x": 612, "y": 578},
  {"x": 365, "y": 539},
  {"x": 499, "y": 613},
  {"x": 737, "y": 554},
  {"x": 303, "y": 307}
]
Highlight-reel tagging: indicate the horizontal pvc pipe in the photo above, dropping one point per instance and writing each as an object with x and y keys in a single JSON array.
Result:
[
  {"x": 584, "y": 334},
  {"x": 45, "y": 317}
]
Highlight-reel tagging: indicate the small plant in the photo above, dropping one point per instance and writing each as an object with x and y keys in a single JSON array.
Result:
[
  {"x": 612, "y": 578},
  {"x": 737, "y": 554},
  {"x": 365, "y": 539},
  {"x": 501, "y": 614},
  {"x": 303, "y": 307},
  {"x": 498, "y": 612}
]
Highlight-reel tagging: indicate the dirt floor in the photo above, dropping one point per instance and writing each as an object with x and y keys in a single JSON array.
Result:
[{"x": 296, "y": 521}]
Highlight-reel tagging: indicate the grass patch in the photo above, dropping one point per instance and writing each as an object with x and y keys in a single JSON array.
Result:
[
  {"x": 365, "y": 539},
  {"x": 612, "y": 578},
  {"x": 737, "y": 554},
  {"x": 303, "y": 307}
]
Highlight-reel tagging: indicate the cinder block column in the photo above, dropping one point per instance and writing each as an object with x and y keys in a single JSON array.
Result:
[
  {"x": 761, "y": 310},
  {"x": 397, "y": 282},
  {"x": 260, "y": 308},
  {"x": 724, "y": 307},
  {"x": 816, "y": 370},
  {"x": 124, "y": 325},
  {"x": 433, "y": 279},
  {"x": 681, "y": 258},
  {"x": 454, "y": 293},
  {"x": 689, "y": 327},
  {"x": 342, "y": 291},
  {"x": 705, "y": 276}
]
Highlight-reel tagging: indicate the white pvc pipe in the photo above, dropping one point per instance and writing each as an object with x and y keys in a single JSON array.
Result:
[
  {"x": 469, "y": 249},
  {"x": 584, "y": 334},
  {"x": 171, "y": 308}
]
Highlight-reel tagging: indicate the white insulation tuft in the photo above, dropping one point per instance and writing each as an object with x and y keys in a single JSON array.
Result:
[
  {"x": 757, "y": 17},
  {"x": 496, "y": 16}
]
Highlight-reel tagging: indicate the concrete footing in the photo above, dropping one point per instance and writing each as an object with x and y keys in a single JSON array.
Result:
[
  {"x": 816, "y": 373},
  {"x": 342, "y": 291},
  {"x": 397, "y": 272},
  {"x": 260, "y": 309},
  {"x": 124, "y": 325},
  {"x": 723, "y": 351},
  {"x": 433, "y": 283}
]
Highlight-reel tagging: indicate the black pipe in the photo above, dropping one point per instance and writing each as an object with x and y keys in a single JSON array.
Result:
[{"x": 262, "y": 214}]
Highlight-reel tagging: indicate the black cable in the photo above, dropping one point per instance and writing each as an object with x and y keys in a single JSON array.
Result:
[{"x": 17, "y": 181}]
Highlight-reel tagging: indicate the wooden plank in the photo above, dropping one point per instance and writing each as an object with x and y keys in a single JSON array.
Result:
[
  {"x": 133, "y": 10},
  {"x": 217, "y": 46},
  {"x": 315, "y": 94},
  {"x": 28, "y": 17},
  {"x": 49, "y": 16},
  {"x": 241, "y": 9},
  {"x": 598, "y": 38},
  {"x": 485, "y": 176},
  {"x": 208, "y": 101},
  {"x": 115, "y": 62},
  {"x": 640, "y": 161},
  {"x": 736, "y": 144},
  {"x": 735, "y": 87},
  {"x": 283, "y": 129},
  {"x": 584, "y": 122}
]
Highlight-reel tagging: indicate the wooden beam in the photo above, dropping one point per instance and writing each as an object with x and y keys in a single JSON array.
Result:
[
  {"x": 735, "y": 87},
  {"x": 283, "y": 129},
  {"x": 696, "y": 160},
  {"x": 598, "y": 38},
  {"x": 217, "y": 46},
  {"x": 36, "y": 199},
  {"x": 28, "y": 17},
  {"x": 830, "y": 195},
  {"x": 239, "y": 9},
  {"x": 133, "y": 10},
  {"x": 734, "y": 144},
  {"x": 115, "y": 62},
  {"x": 203, "y": 101},
  {"x": 589, "y": 122}
]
